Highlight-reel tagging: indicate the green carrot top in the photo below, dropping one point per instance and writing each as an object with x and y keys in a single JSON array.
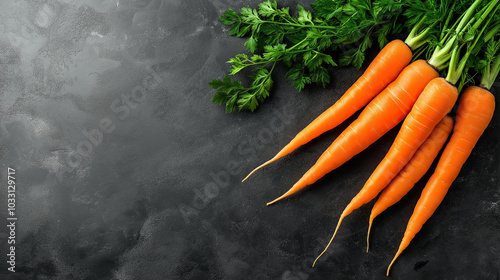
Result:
[
  {"x": 306, "y": 43},
  {"x": 339, "y": 33}
]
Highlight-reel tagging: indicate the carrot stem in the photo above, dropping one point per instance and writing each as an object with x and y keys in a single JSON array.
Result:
[
  {"x": 490, "y": 73},
  {"x": 441, "y": 56},
  {"x": 468, "y": 14},
  {"x": 457, "y": 64},
  {"x": 417, "y": 38},
  {"x": 492, "y": 32},
  {"x": 448, "y": 19}
]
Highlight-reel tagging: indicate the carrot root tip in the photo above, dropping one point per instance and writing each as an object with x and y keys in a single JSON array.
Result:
[
  {"x": 250, "y": 173},
  {"x": 393, "y": 260},
  {"x": 368, "y": 235},
  {"x": 329, "y": 243},
  {"x": 389, "y": 268},
  {"x": 276, "y": 200},
  {"x": 259, "y": 167}
]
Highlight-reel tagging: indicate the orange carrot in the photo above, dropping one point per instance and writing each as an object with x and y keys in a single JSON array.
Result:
[
  {"x": 436, "y": 100},
  {"x": 413, "y": 171},
  {"x": 474, "y": 112},
  {"x": 384, "y": 112},
  {"x": 383, "y": 70}
]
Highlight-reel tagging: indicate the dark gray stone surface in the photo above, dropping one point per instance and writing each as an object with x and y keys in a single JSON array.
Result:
[{"x": 126, "y": 170}]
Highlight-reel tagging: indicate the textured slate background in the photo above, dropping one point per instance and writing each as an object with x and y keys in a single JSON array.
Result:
[{"x": 126, "y": 170}]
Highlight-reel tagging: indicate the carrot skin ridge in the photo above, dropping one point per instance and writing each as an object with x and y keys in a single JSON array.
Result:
[
  {"x": 474, "y": 112},
  {"x": 413, "y": 171},
  {"x": 390, "y": 61},
  {"x": 383, "y": 113}
]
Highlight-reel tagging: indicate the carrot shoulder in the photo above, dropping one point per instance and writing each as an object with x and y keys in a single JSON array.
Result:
[
  {"x": 474, "y": 112},
  {"x": 384, "y": 112},
  {"x": 413, "y": 171},
  {"x": 382, "y": 71}
]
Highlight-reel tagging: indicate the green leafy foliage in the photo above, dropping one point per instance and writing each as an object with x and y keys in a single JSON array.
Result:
[
  {"x": 311, "y": 42},
  {"x": 236, "y": 97}
]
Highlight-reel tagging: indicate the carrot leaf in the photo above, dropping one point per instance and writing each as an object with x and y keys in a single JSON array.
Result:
[
  {"x": 310, "y": 41},
  {"x": 237, "y": 97}
]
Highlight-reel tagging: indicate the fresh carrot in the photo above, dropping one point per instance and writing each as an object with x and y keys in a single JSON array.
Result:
[
  {"x": 474, "y": 112},
  {"x": 383, "y": 113},
  {"x": 436, "y": 100},
  {"x": 383, "y": 70},
  {"x": 413, "y": 171},
  {"x": 386, "y": 110}
]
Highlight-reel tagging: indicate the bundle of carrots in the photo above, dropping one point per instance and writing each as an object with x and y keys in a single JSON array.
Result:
[{"x": 394, "y": 89}]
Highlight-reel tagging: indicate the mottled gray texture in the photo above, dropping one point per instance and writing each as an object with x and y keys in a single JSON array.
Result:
[{"x": 126, "y": 170}]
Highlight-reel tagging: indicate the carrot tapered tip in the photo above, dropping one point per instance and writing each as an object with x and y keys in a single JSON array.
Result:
[
  {"x": 272, "y": 202},
  {"x": 299, "y": 185},
  {"x": 251, "y": 173},
  {"x": 395, "y": 257},
  {"x": 333, "y": 236},
  {"x": 260, "y": 166},
  {"x": 368, "y": 235},
  {"x": 389, "y": 268},
  {"x": 277, "y": 199}
]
